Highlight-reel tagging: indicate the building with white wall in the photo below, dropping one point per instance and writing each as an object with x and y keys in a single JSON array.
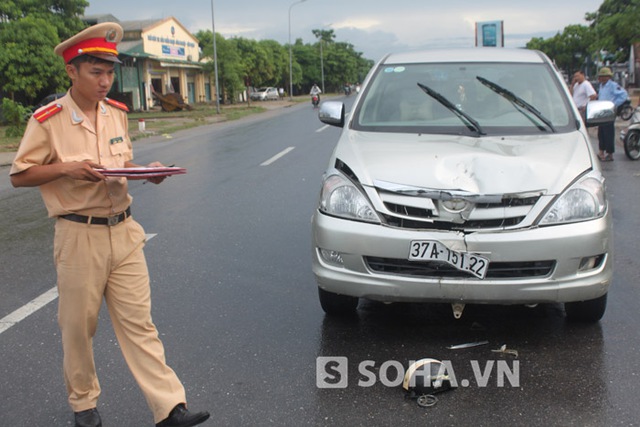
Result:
[{"x": 159, "y": 56}]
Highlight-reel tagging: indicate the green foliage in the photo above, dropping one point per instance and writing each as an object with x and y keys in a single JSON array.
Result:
[
  {"x": 569, "y": 49},
  {"x": 616, "y": 25},
  {"x": 64, "y": 15},
  {"x": 28, "y": 65},
  {"x": 230, "y": 72},
  {"x": 266, "y": 63},
  {"x": 613, "y": 28},
  {"x": 29, "y": 30},
  {"x": 16, "y": 116}
]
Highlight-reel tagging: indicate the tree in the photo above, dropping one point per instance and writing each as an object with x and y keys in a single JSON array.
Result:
[
  {"x": 255, "y": 61},
  {"x": 342, "y": 64},
  {"x": 570, "y": 50},
  {"x": 298, "y": 64},
  {"x": 230, "y": 70},
  {"x": 279, "y": 57},
  {"x": 616, "y": 26},
  {"x": 28, "y": 65},
  {"x": 326, "y": 36},
  {"x": 29, "y": 30}
]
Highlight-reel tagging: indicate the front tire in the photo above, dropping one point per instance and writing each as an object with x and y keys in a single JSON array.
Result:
[
  {"x": 336, "y": 304},
  {"x": 626, "y": 112},
  {"x": 632, "y": 144},
  {"x": 586, "y": 311}
]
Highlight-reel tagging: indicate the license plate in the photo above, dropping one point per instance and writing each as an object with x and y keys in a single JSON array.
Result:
[{"x": 432, "y": 250}]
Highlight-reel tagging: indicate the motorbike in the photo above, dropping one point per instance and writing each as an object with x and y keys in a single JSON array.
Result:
[
  {"x": 631, "y": 136},
  {"x": 625, "y": 110},
  {"x": 315, "y": 100}
]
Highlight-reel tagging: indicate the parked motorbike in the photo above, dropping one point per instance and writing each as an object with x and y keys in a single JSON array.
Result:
[
  {"x": 625, "y": 110},
  {"x": 315, "y": 100},
  {"x": 631, "y": 136}
]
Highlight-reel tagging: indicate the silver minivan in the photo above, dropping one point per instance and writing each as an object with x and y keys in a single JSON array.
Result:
[{"x": 464, "y": 176}]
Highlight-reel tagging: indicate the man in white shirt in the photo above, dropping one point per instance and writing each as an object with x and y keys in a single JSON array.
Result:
[{"x": 582, "y": 91}]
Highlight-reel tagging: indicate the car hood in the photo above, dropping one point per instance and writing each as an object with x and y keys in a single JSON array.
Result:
[{"x": 487, "y": 165}]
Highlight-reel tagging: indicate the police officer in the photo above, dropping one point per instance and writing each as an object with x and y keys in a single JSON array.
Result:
[{"x": 98, "y": 246}]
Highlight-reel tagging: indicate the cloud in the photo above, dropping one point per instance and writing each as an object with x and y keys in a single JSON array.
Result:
[{"x": 360, "y": 24}]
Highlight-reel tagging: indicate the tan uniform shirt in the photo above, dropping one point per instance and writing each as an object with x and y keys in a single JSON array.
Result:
[{"x": 69, "y": 136}]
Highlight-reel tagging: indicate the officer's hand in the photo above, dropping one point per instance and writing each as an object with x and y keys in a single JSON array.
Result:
[
  {"x": 156, "y": 179},
  {"x": 85, "y": 171}
]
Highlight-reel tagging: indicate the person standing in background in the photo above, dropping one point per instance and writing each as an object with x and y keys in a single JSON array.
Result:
[
  {"x": 609, "y": 91},
  {"x": 582, "y": 91}
]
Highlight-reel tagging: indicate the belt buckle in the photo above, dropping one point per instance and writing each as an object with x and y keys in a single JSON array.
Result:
[{"x": 113, "y": 220}]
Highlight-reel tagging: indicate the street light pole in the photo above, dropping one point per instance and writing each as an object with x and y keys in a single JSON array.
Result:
[
  {"x": 322, "y": 65},
  {"x": 290, "y": 54},
  {"x": 215, "y": 59}
]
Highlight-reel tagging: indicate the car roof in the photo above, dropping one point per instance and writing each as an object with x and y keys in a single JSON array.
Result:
[{"x": 477, "y": 54}]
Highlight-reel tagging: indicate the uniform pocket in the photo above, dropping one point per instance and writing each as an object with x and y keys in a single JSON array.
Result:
[{"x": 118, "y": 148}]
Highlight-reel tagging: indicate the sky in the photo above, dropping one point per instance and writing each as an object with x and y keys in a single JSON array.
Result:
[{"x": 373, "y": 27}]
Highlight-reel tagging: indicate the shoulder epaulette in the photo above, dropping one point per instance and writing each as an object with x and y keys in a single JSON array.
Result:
[
  {"x": 117, "y": 104},
  {"x": 45, "y": 113}
]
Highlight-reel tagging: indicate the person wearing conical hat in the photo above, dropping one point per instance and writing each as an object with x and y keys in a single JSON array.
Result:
[{"x": 98, "y": 246}]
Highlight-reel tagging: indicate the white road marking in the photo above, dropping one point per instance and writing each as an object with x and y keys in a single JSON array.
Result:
[
  {"x": 28, "y": 309},
  {"x": 276, "y": 157},
  {"x": 36, "y": 304},
  {"x": 323, "y": 128}
]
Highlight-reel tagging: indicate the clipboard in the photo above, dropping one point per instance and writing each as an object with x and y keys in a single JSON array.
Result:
[{"x": 142, "y": 172}]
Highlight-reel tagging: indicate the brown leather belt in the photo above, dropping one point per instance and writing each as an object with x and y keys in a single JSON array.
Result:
[{"x": 110, "y": 220}]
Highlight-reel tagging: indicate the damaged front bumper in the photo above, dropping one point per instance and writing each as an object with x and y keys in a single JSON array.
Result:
[{"x": 560, "y": 263}]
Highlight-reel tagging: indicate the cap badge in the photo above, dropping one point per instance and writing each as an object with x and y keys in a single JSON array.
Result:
[{"x": 111, "y": 36}]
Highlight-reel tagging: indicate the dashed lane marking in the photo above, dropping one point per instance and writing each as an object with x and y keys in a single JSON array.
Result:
[{"x": 277, "y": 156}]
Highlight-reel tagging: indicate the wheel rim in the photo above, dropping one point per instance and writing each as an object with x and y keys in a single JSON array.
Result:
[
  {"x": 632, "y": 145},
  {"x": 627, "y": 112}
]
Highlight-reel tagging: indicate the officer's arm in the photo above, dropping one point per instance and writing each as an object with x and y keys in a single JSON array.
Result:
[{"x": 43, "y": 174}]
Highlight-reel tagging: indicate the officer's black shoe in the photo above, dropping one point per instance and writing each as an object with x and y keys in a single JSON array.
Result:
[
  {"x": 181, "y": 417},
  {"x": 88, "y": 418}
]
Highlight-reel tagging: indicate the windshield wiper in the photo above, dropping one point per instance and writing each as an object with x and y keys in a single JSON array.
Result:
[
  {"x": 518, "y": 102},
  {"x": 469, "y": 121}
]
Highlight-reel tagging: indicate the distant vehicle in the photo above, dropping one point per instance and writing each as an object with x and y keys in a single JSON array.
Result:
[
  {"x": 265, "y": 94},
  {"x": 47, "y": 99},
  {"x": 464, "y": 177}
]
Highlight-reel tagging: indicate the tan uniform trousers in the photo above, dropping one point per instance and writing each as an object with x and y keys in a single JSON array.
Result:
[{"x": 96, "y": 261}]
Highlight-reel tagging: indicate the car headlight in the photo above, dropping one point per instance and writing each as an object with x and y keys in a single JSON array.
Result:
[
  {"x": 340, "y": 197},
  {"x": 583, "y": 201}
]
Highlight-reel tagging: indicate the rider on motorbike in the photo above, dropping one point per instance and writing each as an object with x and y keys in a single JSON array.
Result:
[{"x": 315, "y": 94}]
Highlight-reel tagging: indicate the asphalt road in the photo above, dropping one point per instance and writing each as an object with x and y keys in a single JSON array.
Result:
[{"x": 236, "y": 305}]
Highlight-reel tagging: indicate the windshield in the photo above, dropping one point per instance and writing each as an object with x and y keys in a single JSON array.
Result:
[{"x": 396, "y": 100}]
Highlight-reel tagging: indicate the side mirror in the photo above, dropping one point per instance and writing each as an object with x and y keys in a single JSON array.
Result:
[
  {"x": 600, "y": 112},
  {"x": 332, "y": 113}
]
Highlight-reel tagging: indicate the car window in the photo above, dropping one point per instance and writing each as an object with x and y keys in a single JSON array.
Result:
[{"x": 394, "y": 102}]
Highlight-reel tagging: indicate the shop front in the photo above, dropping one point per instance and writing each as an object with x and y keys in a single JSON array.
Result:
[{"x": 159, "y": 57}]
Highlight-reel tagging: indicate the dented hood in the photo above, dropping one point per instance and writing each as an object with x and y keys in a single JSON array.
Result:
[{"x": 487, "y": 165}]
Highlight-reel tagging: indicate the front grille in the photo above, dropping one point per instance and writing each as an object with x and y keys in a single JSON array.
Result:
[
  {"x": 406, "y": 212},
  {"x": 436, "y": 269},
  {"x": 409, "y": 210},
  {"x": 400, "y": 222}
]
